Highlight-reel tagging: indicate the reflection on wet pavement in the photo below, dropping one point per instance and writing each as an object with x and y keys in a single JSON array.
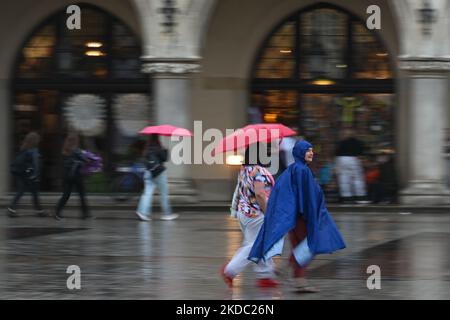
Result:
[
  {"x": 28, "y": 232},
  {"x": 122, "y": 258},
  {"x": 423, "y": 256}
]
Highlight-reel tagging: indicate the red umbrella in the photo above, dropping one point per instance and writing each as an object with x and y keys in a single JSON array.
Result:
[
  {"x": 242, "y": 138},
  {"x": 284, "y": 131},
  {"x": 166, "y": 130}
]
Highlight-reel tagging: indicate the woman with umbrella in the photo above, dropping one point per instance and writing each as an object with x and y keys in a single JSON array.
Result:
[
  {"x": 155, "y": 174},
  {"x": 255, "y": 183},
  {"x": 249, "y": 204}
]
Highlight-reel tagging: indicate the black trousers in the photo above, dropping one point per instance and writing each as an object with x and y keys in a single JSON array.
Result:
[
  {"x": 23, "y": 185},
  {"x": 375, "y": 192},
  {"x": 68, "y": 186}
]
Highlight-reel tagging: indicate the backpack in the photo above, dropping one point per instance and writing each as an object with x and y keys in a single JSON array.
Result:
[
  {"x": 154, "y": 162},
  {"x": 22, "y": 165}
]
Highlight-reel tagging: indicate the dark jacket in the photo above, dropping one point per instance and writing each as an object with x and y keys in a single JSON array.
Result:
[
  {"x": 351, "y": 147},
  {"x": 27, "y": 164},
  {"x": 155, "y": 158},
  {"x": 73, "y": 164}
]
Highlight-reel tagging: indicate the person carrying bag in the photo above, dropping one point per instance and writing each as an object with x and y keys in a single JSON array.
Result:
[
  {"x": 155, "y": 176},
  {"x": 73, "y": 159},
  {"x": 25, "y": 168}
]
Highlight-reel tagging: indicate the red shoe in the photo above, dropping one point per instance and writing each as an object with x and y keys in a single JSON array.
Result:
[
  {"x": 267, "y": 283},
  {"x": 227, "y": 279}
]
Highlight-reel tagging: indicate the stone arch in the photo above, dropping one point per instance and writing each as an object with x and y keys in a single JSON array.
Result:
[
  {"x": 22, "y": 17},
  {"x": 236, "y": 31},
  {"x": 32, "y": 15}
]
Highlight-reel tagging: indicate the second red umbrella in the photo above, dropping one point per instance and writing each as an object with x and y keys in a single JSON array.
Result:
[{"x": 166, "y": 130}]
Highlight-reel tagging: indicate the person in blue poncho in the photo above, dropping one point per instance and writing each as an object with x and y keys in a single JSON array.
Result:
[{"x": 296, "y": 207}]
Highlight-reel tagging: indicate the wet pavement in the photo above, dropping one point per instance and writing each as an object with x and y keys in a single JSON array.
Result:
[{"x": 122, "y": 258}]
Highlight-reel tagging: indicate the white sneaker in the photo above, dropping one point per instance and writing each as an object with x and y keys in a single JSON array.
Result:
[
  {"x": 169, "y": 217},
  {"x": 142, "y": 217}
]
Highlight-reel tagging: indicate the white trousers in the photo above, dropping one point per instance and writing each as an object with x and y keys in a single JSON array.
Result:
[
  {"x": 250, "y": 228},
  {"x": 350, "y": 177}
]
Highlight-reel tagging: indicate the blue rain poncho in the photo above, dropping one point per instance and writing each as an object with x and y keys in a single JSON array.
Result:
[{"x": 296, "y": 194}]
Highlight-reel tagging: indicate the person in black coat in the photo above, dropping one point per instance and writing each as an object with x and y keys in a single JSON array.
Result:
[
  {"x": 26, "y": 169},
  {"x": 73, "y": 161}
]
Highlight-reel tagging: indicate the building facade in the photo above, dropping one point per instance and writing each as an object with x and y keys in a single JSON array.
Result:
[{"x": 313, "y": 65}]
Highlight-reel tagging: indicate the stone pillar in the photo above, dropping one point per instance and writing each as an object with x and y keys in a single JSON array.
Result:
[
  {"x": 429, "y": 99},
  {"x": 171, "y": 88}
]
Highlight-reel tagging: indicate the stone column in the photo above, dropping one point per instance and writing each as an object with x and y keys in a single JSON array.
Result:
[
  {"x": 171, "y": 88},
  {"x": 429, "y": 100}
]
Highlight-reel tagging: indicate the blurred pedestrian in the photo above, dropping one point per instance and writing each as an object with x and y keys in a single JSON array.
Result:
[
  {"x": 349, "y": 168},
  {"x": 73, "y": 163},
  {"x": 255, "y": 183},
  {"x": 388, "y": 179},
  {"x": 326, "y": 171},
  {"x": 297, "y": 207},
  {"x": 26, "y": 169},
  {"x": 155, "y": 176},
  {"x": 256, "y": 109},
  {"x": 374, "y": 190}
]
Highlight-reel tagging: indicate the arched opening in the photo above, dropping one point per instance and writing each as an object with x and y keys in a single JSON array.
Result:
[
  {"x": 321, "y": 71},
  {"x": 86, "y": 80}
]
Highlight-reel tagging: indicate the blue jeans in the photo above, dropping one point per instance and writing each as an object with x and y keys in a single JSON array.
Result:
[{"x": 145, "y": 203}]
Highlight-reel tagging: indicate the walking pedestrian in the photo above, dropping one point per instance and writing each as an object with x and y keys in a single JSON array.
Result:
[
  {"x": 350, "y": 170},
  {"x": 297, "y": 207},
  {"x": 155, "y": 176},
  {"x": 26, "y": 169},
  {"x": 249, "y": 204},
  {"x": 73, "y": 162}
]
